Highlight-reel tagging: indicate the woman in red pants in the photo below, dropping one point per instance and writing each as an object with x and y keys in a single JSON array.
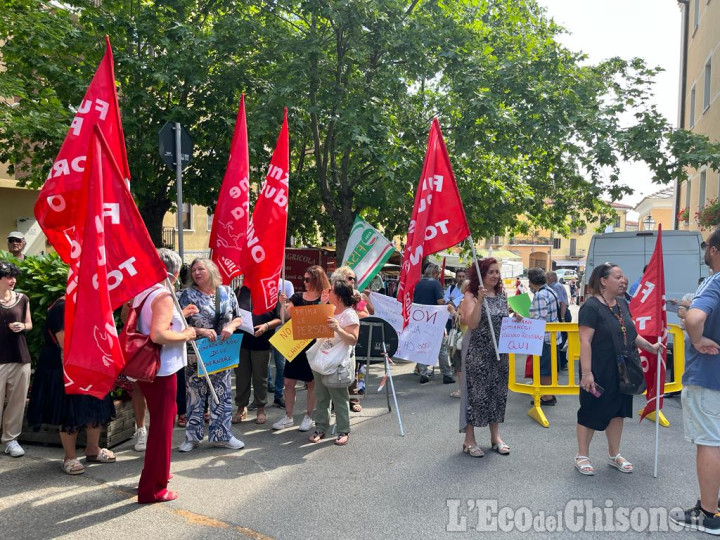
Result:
[{"x": 166, "y": 326}]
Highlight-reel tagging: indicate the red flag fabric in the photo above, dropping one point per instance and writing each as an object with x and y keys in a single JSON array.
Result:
[
  {"x": 58, "y": 205},
  {"x": 438, "y": 215},
  {"x": 92, "y": 359},
  {"x": 648, "y": 312},
  {"x": 230, "y": 221},
  {"x": 264, "y": 251}
]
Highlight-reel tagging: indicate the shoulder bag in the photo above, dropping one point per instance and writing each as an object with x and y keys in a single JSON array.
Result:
[
  {"x": 631, "y": 375},
  {"x": 142, "y": 354}
]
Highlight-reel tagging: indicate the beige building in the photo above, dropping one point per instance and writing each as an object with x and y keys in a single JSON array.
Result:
[
  {"x": 16, "y": 214},
  {"x": 197, "y": 224},
  {"x": 656, "y": 209},
  {"x": 699, "y": 109}
]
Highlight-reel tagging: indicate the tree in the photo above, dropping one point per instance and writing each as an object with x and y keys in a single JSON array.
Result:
[{"x": 535, "y": 133}]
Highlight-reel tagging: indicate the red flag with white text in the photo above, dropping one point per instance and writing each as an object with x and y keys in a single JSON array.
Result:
[
  {"x": 92, "y": 358},
  {"x": 58, "y": 206},
  {"x": 438, "y": 219},
  {"x": 230, "y": 220},
  {"x": 264, "y": 250},
  {"x": 650, "y": 317}
]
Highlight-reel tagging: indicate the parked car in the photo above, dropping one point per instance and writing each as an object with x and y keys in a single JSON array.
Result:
[{"x": 566, "y": 274}]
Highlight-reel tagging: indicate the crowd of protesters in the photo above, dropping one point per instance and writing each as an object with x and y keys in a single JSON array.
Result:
[{"x": 477, "y": 303}]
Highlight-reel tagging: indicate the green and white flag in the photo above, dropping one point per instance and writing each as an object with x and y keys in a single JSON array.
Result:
[{"x": 367, "y": 252}]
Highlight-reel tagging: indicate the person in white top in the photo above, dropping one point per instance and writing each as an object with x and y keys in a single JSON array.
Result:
[{"x": 160, "y": 319}]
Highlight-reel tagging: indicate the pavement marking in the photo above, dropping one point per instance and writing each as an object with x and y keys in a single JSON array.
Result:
[{"x": 198, "y": 519}]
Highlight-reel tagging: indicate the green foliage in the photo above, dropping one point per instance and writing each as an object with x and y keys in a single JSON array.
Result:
[
  {"x": 709, "y": 216},
  {"x": 43, "y": 279},
  {"x": 527, "y": 121}
]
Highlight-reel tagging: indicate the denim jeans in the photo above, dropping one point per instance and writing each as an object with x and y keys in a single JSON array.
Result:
[{"x": 279, "y": 360}]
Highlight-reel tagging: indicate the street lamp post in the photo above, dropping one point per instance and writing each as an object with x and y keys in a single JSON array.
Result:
[{"x": 648, "y": 223}]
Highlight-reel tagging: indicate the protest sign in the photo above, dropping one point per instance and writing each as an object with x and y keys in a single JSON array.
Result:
[
  {"x": 247, "y": 321},
  {"x": 524, "y": 337},
  {"x": 283, "y": 341},
  {"x": 422, "y": 337},
  {"x": 311, "y": 321},
  {"x": 219, "y": 355},
  {"x": 520, "y": 304}
]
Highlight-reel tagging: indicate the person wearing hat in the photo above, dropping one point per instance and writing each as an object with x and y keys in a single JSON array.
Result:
[{"x": 16, "y": 244}]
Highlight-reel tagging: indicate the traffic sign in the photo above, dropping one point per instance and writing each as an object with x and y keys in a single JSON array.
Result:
[{"x": 167, "y": 145}]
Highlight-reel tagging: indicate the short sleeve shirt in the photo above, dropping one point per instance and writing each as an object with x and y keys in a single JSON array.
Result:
[
  {"x": 704, "y": 369},
  {"x": 560, "y": 291},
  {"x": 205, "y": 303},
  {"x": 428, "y": 291}
]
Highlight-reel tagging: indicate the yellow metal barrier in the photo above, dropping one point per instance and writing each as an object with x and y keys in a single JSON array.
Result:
[{"x": 572, "y": 388}]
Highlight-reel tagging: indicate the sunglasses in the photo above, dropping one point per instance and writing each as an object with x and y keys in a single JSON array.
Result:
[
  {"x": 705, "y": 245},
  {"x": 14, "y": 241},
  {"x": 351, "y": 278},
  {"x": 306, "y": 279}
]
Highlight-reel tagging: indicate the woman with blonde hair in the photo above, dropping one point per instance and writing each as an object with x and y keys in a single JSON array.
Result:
[{"x": 218, "y": 315}]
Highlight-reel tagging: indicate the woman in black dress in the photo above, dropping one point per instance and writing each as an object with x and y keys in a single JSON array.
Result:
[
  {"x": 604, "y": 319},
  {"x": 317, "y": 291},
  {"x": 49, "y": 404}
]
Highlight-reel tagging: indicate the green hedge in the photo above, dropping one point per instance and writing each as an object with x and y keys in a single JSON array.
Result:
[{"x": 43, "y": 279}]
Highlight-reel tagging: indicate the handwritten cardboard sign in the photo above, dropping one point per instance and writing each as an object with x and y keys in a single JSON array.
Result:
[
  {"x": 525, "y": 337},
  {"x": 283, "y": 341},
  {"x": 310, "y": 322},
  {"x": 219, "y": 355},
  {"x": 422, "y": 338}
]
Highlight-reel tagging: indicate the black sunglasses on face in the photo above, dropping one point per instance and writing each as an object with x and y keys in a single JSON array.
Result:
[
  {"x": 306, "y": 279},
  {"x": 14, "y": 241},
  {"x": 351, "y": 278}
]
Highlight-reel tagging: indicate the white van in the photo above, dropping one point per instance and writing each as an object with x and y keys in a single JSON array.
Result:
[{"x": 682, "y": 257}]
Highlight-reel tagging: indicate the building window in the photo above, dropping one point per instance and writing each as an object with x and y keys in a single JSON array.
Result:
[
  {"x": 687, "y": 193},
  {"x": 210, "y": 221},
  {"x": 187, "y": 216},
  {"x": 573, "y": 247},
  {"x": 556, "y": 243},
  {"x": 696, "y": 15},
  {"x": 706, "y": 85},
  {"x": 692, "y": 106},
  {"x": 701, "y": 196}
]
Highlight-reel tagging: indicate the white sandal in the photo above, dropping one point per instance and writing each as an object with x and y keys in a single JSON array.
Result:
[
  {"x": 584, "y": 468},
  {"x": 623, "y": 465}
]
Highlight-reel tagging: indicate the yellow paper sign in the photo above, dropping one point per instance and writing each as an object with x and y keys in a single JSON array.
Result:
[
  {"x": 283, "y": 341},
  {"x": 310, "y": 322}
]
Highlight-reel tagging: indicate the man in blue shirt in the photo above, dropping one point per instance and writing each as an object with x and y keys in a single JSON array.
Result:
[
  {"x": 701, "y": 393},
  {"x": 544, "y": 306},
  {"x": 565, "y": 316},
  {"x": 428, "y": 291}
]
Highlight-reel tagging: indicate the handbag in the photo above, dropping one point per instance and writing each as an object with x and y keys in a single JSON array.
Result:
[
  {"x": 631, "y": 375},
  {"x": 341, "y": 378},
  {"x": 142, "y": 354}
]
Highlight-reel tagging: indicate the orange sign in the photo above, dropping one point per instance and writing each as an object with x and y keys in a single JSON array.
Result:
[{"x": 310, "y": 322}]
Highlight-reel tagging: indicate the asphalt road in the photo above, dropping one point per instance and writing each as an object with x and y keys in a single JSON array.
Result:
[{"x": 381, "y": 485}]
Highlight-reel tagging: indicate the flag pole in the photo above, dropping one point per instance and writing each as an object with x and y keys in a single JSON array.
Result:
[
  {"x": 282, "y": 273},
  {"x": 194, "y": 346},
  {"x": 657, "y": 407},
  {"x": 485, "y": 304}
]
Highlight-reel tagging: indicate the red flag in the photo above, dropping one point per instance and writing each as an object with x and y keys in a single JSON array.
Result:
[
  {"x": 230, "y": 221},
  {"x": 92, "y": 359},
  {"x": 648, "y": 312},
  {"x": 58, "y": 206},
  {"x": 438, "y": 214},
  {"x": 264, "y": 251},
  {"x": 442, "y": 273}
]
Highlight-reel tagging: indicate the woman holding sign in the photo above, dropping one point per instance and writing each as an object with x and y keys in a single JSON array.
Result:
[
  {"x": 316, "y": 292},
  {"x": 331, "y": 359},
  {"x": 218, "y": 316},
  {"x": 486, "y": 379}
]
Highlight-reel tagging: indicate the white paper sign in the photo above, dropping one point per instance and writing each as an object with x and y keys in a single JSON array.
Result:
[
  {"x": 247, "y": 322},
  {"x": 525, "y": 337},
  {"x": 422, "y": 339}
]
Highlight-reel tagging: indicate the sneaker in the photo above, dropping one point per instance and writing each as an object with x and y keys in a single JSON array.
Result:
[
  {"x": 141, "y": 436},
  {"x": 187, "y": 446},
  {"x": 448, "y": 379},
  {"x": 306, "y": 424},
  {"x": 279, "y": 402},
  {"x": 424, "y": 378},
  {"x": 283, "y": 423},
  {"x": 233, "y": 444},
  {"x": 695, "y": 519},
  {"x": 14, "y": 449}
]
